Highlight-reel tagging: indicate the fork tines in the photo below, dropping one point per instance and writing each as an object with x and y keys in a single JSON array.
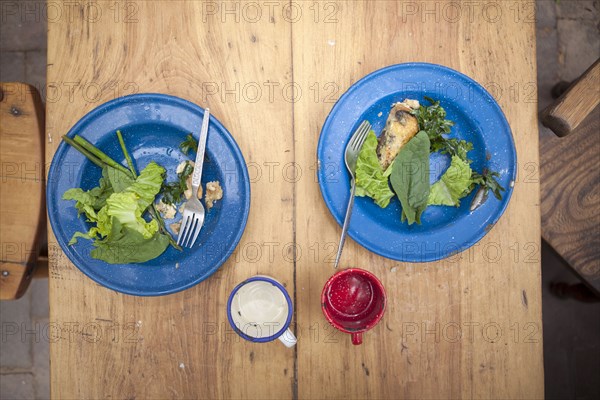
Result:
[{"x": 360, "y": 135}]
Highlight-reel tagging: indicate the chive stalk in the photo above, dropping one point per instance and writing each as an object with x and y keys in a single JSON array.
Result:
[
  {"x": 126, "y": 154},
  {"x": 85, "y": 152},
  {"x": 99, "y": 154}
]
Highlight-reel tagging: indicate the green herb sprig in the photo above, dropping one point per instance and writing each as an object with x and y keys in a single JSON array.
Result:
[
  {"x": 432, "y": 119},
  {"x": 188, "y": 144},
  {"x": 487, "y": 180},
  {"x": 173, "y": 191}
]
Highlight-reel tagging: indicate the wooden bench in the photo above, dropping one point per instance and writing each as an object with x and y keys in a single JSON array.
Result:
[
  {"x": 570, "y": 177},
  {"x": 22, "y": 205}
]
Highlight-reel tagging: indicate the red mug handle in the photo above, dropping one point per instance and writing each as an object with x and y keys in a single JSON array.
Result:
[{"x": 357, "y": 338}]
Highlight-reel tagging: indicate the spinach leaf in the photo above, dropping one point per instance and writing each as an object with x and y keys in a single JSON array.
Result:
[{"x": 410, "y": 177}]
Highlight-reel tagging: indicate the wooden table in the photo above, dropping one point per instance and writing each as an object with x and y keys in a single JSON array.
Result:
[{"x": 466, "y": 327}]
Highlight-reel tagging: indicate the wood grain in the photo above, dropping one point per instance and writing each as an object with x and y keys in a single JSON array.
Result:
[
  {"x": 22, "y": 211},
  {"x": 177, "y": 346},
  {"x": 303, "y": 61},
  {"x": 570, "y": 174},
  {"x": 572, "y": 108},
  {"x": 417, "y": 351}
]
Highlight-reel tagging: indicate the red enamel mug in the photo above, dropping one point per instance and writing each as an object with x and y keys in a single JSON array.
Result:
[{"x": 353, "y": 301}]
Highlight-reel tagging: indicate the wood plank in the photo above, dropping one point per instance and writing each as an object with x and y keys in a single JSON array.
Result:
[
  {"x": 22, "y": 211},
  {"x": 14, "y": 279},
  {"x": 177, "y": 346},
  {"x": 416, "y": 351},
  {"x": 572, "y": 108},
  {"x": 23, "y": 219},
  {"x": 570, "y": 174},
  {"x": 21, "y": 132}
]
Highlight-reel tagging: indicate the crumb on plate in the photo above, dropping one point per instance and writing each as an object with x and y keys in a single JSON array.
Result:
[
  {"x": 175, "y": 227},
  {"x": 214, "y": 192},
  {"x": 168, "y": 211}
]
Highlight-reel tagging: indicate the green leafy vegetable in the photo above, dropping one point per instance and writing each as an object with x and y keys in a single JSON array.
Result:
[
  {"x": 488, "y": 181},
  {"x": 371, "y": 180},
  {"x": 173, "y": 191},
  {"x": 115, "y": 175},
  {"x": 147, "y": 185},
  {"x": 410, "y": 177},
  {"x": 124, "y": 207},
  {"x": 121, "y": 233},
  {"x": 188, "y": 144},
  {"x": 118, "y": 179},
  {"x": 454, "y": 147},
  {"x": 454, "y": 184},
  {"x": 93, "y": 200},
  {"x": 124, "y": 245},
  {"x": 133, "y": 174},
  {"x": 432, "y": 120}
]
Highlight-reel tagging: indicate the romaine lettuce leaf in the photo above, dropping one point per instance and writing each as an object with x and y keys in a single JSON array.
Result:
[
  {"x": 121, "y": 234},
  {"x": 93, "y": 200},
  {"x": 371, "y": 180},
  {"x": 124, "y": 246},
  {"x": 125, "y": 208},
  {"x": 147, "y": 184},
  {"x": 118, "y": 179},
  {"x": 454, "y": 184}
]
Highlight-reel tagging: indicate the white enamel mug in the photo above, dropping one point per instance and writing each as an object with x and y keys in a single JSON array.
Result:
[{"x": 260, "y": 310}]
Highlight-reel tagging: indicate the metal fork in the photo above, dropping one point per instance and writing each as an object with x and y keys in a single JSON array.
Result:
[
  {"x": 350, "y": 157},
  {"x": 193, "y": 211}
]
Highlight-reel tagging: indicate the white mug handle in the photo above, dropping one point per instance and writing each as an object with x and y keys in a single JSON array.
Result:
[{"x": 288, "y": 338}]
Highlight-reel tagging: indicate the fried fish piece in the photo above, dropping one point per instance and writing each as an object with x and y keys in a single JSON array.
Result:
[{"x": 399, "y": 128}]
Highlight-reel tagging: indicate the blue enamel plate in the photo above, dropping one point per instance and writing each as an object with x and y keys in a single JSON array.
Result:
[
  {"x": 153, "y": 127},
  {"x": 477, "y": 117}
]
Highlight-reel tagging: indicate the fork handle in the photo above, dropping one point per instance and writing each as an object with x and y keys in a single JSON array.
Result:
[
  {"x": 198, "y": 164},
  {"x": 346, "y": 223}
]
